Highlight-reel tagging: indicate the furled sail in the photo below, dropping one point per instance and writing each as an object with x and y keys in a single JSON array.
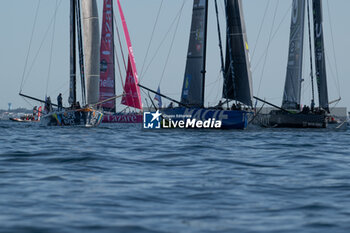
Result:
[
  {"x": 238, "y": 77},
  {"x": 132, "y": 95},
  {"x": 91, "y": 49},
  {"x": 193, "y": 85},
  {"x": 292, "y": 87},
  {"x": 321, "y": 74},
  {"x": 107, "y": 74}
]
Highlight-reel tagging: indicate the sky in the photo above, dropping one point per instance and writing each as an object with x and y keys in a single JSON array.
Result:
[{"x": 268, "y": 39}]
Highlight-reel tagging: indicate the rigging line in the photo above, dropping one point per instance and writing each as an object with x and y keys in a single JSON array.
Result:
[
  {"x": 51, "y": 50},
  {"x": 171, "y": 46},
  {"x": 119, "y": 69},
  {"x": 215, "y": 81},
  {"x": 209, "y": 94},
  {"x": 150, "y": 42},
  {"x": 163, "y": 40},
  {"x": 260, "y": 29},
  {"x": 275, "y": 33},
  {"x": 332, "y": 72},
  {"x": 119, "y": 40},
  {"x": 335, "y": 57},
  {"x": 116, "y": 55},
  {"x": 30, "y": 45},
  {"x": 268, "y": 46},
  {"x": 61, "y": 87},
  {"x": 41, "y": 45},
  {"x": 29, "y": 103}
]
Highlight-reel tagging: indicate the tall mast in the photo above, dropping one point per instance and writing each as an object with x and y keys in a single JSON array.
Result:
[
  {"x": 81, "y": 52},
  {"x": 321, "y": 74},
  {"x": 220, "y": 40},
  {"x": 311, "y": 62},
  {"x": 205, "y": 51},
  {"x": 72, "y": 81}
]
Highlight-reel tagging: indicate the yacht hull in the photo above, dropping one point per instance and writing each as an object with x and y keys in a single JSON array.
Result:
[
  {"x": 77, "y": 117},
  {"x": 281, "y": 119}
]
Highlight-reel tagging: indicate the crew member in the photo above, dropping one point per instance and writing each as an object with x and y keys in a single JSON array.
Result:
[
  {"x": 48, "y": 105},
  {"x": 59, "y": 102}
]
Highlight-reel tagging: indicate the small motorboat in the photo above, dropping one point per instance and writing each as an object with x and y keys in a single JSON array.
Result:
[{"x": 25, "y": 118}]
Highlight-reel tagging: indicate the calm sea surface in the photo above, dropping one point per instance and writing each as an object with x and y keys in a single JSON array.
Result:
[{"x": 119, "y": 178}]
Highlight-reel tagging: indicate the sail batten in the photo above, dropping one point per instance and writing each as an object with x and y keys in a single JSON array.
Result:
[
  {"x": 321, "y": 74},
  {"x": 238, "y": 77},
  {"x": 91, "y": 49},
  {"x": 194, "y": 80},
  {"x": 292, "y": 87}
]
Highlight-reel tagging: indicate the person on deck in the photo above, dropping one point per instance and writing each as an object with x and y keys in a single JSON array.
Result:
[
  {"x": 48, "y": 105},
  {"x": 233, "y": 107},
  {"x": 35, "y": 110},
  {"x": 219, "y": 105},
  {"x": 312, "y": 106},
  {"x": 59, "y": 102}
]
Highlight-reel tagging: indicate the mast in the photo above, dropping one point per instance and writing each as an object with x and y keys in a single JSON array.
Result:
[
  {"x": 238, "y": 77},
  {"x": 292, "y": 87},
  {"x": 91, "y": 49},
  {"x": 321, "y": 74},
  {"x": 72, "y": 81},
  {"x": 205, "y": 52},
  {"x": 81, "y": 53},
  {"x": 107, "y": 70},
  {"x": 311, "y": 61},
  {"x": 220, "y": 41},
  {"x": 194, "y": 80}
]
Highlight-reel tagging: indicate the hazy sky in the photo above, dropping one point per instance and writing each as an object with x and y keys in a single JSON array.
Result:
[{"x": 17, "y": 19}]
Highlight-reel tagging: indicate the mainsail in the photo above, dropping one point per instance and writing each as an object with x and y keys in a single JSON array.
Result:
[
  {"x": 132, "y": 96},
  {"x": 321, "y": 74},
  {"x": 238, "y": 77},
  {"x": 292, "y": 88},
  {"x": 91, "y": 49},
  {"x": 107, "y": 74},
  {"x": 193, "y": 85}
]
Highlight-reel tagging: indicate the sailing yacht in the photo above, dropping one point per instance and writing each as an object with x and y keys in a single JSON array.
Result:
[
  {"x": 88, "y": 115},
  {"x": 236, "y": 71},
  {"x": 131, "y": 91},
  {"x": 290, "y": 114}
]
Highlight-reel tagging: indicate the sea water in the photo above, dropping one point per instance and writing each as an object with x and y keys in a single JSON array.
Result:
[{"x": 120, "y": 178}]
